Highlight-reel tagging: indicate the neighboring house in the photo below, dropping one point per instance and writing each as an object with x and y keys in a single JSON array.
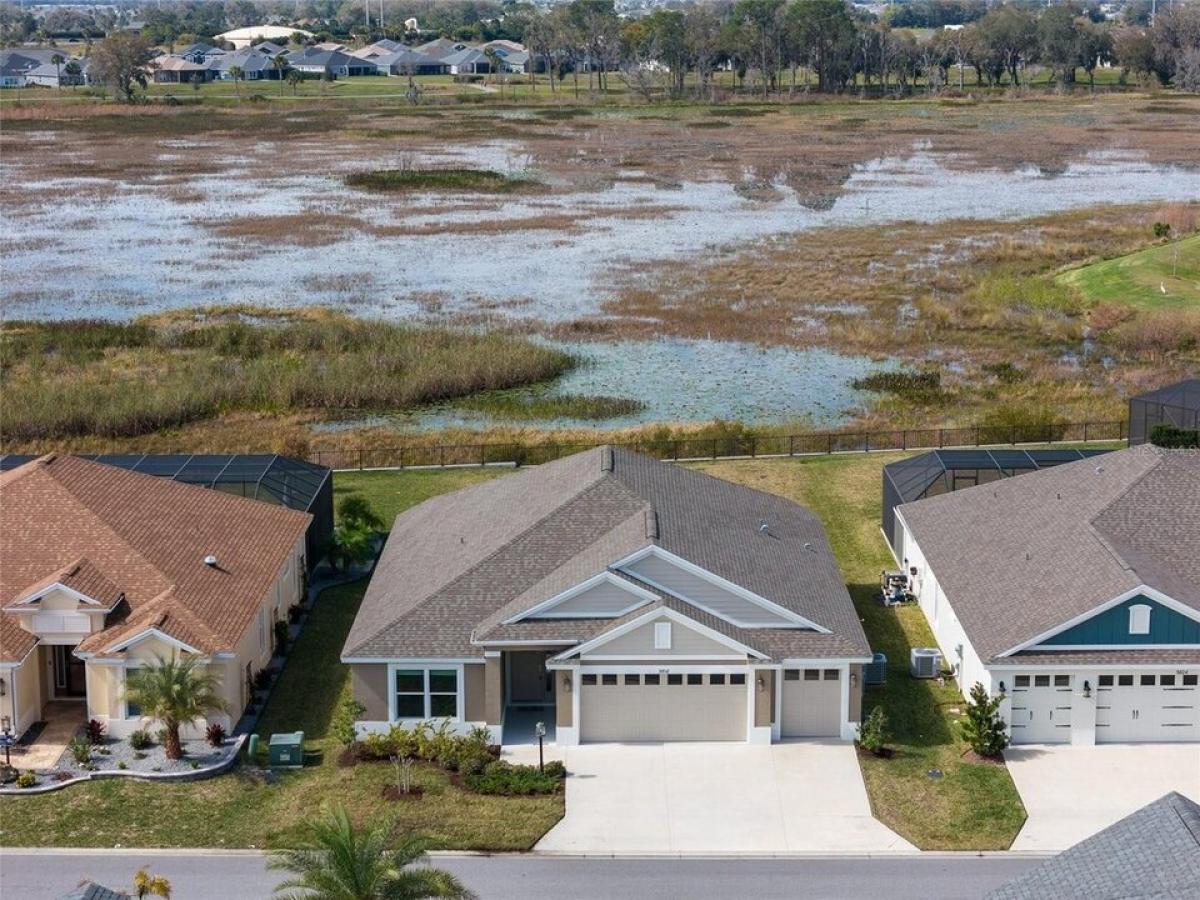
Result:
[
  {"x": 513, "y": 56},
  {"x": 1152, "y": 853},
  {"x": 255, "y": 65},
  {"x": 313, "y": 61},
  {"x": 103, "y": 570},
  {"x": 242, "y": 37},
  {"x": 1175, "y": 404},
  {"x": 440, "y": 48},
  {"x": 1073, "y": 591},
  {"x": 620, "y": 599},
  {"x": 52, "y": 75},
  {"x": 200, "y": 53}
]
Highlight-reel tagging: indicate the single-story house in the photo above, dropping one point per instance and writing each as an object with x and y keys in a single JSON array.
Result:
[
  {"x": 1154, "y": 852},
  {"x": 56, "y": 75},
  {"x": 1072, "y": 591},
  {"x": 103, "y": 570},
  {"x": 618, "y": 599},
  {"x": 313, "y": 61},
  {"x": 200, "y": 53},
  {"x": 440, "y": 48},
  {"x": 254, "y": 64},
  {"x": 181, "y": 70},
  {"x": 242, "y": 37},
  {"x": 468, "y": 61},
  {"x": 15, "y": 67},
  {"x": 408, "y": 62}
]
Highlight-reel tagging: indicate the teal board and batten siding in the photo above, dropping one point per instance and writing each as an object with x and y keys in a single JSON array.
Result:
[{"x": 1112, "y": 627}]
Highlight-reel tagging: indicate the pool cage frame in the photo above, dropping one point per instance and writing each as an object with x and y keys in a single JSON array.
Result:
[{"x": 1176, "y": 404}]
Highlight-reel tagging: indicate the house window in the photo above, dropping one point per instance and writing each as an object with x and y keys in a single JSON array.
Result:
[
  {"x": 426, "y": 694},
  {"x": 662, "y": 635},
  {"x": 132, "y": 710},
  {"x": 1139, "y": 619}
]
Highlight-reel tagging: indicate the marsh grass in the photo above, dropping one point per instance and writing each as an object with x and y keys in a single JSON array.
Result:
[
  {"x": 89, "y": 378},
  {"x": 519, "y": 405},
  {"x": 473, "y": 180}
]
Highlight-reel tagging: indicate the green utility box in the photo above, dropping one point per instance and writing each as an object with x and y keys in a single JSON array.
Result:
[{"x": 286, "y": 751}]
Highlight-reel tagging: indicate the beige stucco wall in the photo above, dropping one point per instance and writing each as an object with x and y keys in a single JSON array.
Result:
[
  {"x": 493, "y": 690},
  {"x": 22, "y": 702},
  {"x": 60, "y": 601},
  {"x": 563, "y": 706},
  {"x": 764, "y": 700},
  {"x": 856, "y": 692},
  {"x": 475, "y": 692},
  {"x": 368, "y": 681}
]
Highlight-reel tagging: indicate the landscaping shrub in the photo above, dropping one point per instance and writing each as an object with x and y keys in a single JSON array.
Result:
[
  {"x": 341, "y": 726},
  {"x": 26, "y": 780},
  {"x": 215, "y": 734},
  {"x": 94, "y": 730},
  {"x": 140, "y": 739},
  {"x": 556, "y": 769},
  {"x": 1175, "y": 438},
  {"x": 983, "y": 727},
  {"x": 873, "y": 735},
  {"x": 280, "y": 629},
  {"x": 81, "y": 750},
  {"x": 262, "y": 679},
  {"x": 503, "y": 778}
]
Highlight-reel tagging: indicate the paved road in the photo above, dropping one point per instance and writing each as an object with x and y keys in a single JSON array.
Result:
[{"x": 242, "y": 876}]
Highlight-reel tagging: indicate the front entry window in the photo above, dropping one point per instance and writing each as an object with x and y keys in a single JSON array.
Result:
[{"x": 426, "y": 693}]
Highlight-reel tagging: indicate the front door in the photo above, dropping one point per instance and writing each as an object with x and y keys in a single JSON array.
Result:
[
  {"x": 70, "y": 679},
  {"x": 528, "y": 680}
]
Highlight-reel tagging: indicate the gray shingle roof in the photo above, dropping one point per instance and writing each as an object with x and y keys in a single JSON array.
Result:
[
  {"x": 456, "y": 567},
  {"x": 1018, "y": 557},
  {"x": 1153, "y": 853}
]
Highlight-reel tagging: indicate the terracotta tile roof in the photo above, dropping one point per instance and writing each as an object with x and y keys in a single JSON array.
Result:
[
  {"x": 457, "y": 567},
  {"x": 145, "y": 537}
]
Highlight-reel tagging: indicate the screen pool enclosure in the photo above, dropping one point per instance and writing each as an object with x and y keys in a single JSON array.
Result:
[
  {"x": 269, "y": 477},
  {"x": 943, "y": 471},
  {"x": 1176, "y": 404}
]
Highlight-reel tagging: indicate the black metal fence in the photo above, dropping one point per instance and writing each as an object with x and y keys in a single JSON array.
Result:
[{"x": 732, "y": 447}]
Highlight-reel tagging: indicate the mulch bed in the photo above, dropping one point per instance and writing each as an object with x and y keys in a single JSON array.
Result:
[
  {"x": 392, "y": 792},
  {"x": 883, "y": 753},
  {"x": 972, "y": 756}
]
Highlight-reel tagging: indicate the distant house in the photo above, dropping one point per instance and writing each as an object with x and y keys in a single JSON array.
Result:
[
  {"x": 409, "y": 62},
  {"x": 51, "y": 75},
  {"x": 15, "y": 68},
  {"x": 180, "y": 70},
  {"x": 200, "y": 53},
  {"x": 440, "y": 48},
  {"x": 243, "y": 37},
  {"x": 255, "y": 65},
  {"x": 1154, "y": 852},
  {"x": 35, "y": 66},
  {"x": 313, "y": 61},
  {"x": 468, "y": 61}
]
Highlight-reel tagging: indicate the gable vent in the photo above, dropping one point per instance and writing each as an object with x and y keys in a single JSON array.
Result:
[
  {"x": 652, "y": 524},
  {"x": 606, "y": 459}
]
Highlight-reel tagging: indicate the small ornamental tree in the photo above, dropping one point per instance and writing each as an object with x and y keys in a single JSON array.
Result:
[
  {"x": 984, "y": 728},
  {"x": 873, "y": 735}
]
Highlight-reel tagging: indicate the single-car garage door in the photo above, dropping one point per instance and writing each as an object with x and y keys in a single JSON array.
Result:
[
  {"x": 1041, "y": 709},
  {"x": 662, "y": 706},
  {"x": 1132, "y": 707},
  {"x": 812, "y": 703}
]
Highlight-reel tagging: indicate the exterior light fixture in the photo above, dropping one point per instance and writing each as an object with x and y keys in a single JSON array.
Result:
[
  {"x": 853, "y": 679},
  {"x": 1003, "y": 690},
  {"x": 761, "y": 683},
  {"x": 3, "y": 687},
  {"x": 1087, "y": 689},
  {"x": 540, "y": 730},
  {"x": 567, "y": 682}
]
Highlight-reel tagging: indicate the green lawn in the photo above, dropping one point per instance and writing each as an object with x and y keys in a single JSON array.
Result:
[{"x": 1166, "y": 276}]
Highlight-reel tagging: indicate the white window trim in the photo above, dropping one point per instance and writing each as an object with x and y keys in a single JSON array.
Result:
[
  {"x": 1139, "y": 618},
  {"x": 662, "y": 635},
  {"x": 426, "y": 667}
]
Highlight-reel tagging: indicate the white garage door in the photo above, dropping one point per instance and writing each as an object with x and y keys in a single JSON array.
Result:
[
  {"x": 812, "y": 703},
  {"x": 1041, "y": 709},
  {"x": 663, "y": 706},
  {"x": 1133, "y": 707}
]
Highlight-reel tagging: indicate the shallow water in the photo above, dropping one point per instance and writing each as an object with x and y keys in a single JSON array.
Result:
[{"x": 682, "y": 380}]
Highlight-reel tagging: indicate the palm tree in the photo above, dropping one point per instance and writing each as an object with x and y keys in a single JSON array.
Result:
[
  {"x": 175, "y": 693},
  {"x": 237, "y": 73},
  {"x": 58, "y": 59},
  {"x": 280, "y": 62},
  {"x": 337, "y": 863},
  {"x": 294, "y": 78}
]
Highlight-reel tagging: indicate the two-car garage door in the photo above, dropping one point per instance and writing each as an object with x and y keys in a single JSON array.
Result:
[{"x": 663, "y": 706}]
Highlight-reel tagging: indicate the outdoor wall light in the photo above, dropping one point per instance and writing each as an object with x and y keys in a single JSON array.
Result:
[
  {"x": 761, "y": 682},
  {"x": 3, "y": 687},
  {"x": 567, "y": 683},
  {"x": 853, "y": 679},
  {"x": 1002, "y": 688},
  {"x": 1087, "y": 689}
]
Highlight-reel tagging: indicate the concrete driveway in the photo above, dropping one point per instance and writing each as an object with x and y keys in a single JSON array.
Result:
[
  {"x": 653, "y": 799},
  {"x": 1071, "y": 793}
]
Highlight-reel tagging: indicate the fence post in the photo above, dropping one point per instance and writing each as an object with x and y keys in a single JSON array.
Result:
[
  {"x": 791, "y": 445},
  {"x": 829, "y": 442},
  {"x": 867, "y": 442},
  {"x": 714, "y": 440},
  {"x": 903, "y": 440},
  {"x": 402, "y": 457},
  {"x": 442, "y": 454},
  {"x": 1085, "y": 432},
  {"x": 675, "y": 450},
  {"x": 753, "y": 441},
  {"x": 941, "y": 438}
]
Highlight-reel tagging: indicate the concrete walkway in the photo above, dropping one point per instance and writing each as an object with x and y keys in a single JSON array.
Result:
[
  {"x": 1070, "y": 793},
  {"x": 63, "y": 720},
  {"x": 702, "y": 798}
]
